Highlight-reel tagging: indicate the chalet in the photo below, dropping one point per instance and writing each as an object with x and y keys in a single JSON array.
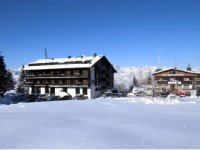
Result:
[
  {"x": 173, "y": 78},
  {"x": 86, "y": 75}
]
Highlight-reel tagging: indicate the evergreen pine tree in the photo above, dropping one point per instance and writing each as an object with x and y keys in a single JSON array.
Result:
[
  {"x": 10, "y": 83},
  {"x": 3, "y": 75},
  {"x": 21, "y": 88}
]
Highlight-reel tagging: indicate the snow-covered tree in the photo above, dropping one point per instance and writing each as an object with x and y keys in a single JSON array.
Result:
[
  {"x": 21, "y": 88},
  {"x": 134, "y": 84},
  {"x": 149, "y": 80},
  {"x": 3, "y": 75},
  {"x": 10, "y": 83}
]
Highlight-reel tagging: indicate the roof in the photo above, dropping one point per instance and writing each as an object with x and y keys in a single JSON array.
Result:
[
  {"x": 193, "y": 72},
  {"x": 61, "y": 63}
]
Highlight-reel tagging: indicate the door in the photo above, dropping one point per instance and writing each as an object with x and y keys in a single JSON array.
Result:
[
  {"x": 46, "y": 90},
  {"x": 172, "y": 87},
  {"x": 52, "y": 90}
]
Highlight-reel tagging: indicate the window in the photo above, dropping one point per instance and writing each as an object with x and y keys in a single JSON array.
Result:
[
  {"x": 172, "y": 79},
  {"x": 78, "y": 81},
  {"x": 85, "y": 91},
  {"x": 47, "y": 81},
  {"x": 38, "y": 90},
  {"x": 81, "y": 71},
  {"x": 85, "y": 82},
  {"x": 72, "y": 81},
  {"x": 58, "y": 73},
  {"x": 52, "y": 81},
  {"x": 43, "y": 81},
  {"x": 67, "y": 81},
  {"x": 62, "y": 72},
  {"x": 38, "y": 81},
  {"x": 186, "y": 87},
  {"x": 76, "y": 72},
  {"x": 87, "y": 62},
  {"x": 68, "y": 72},
  {"x": 85, "y": 72},
  {"x": 65, "y": 89},
  {"x": 47, "y": 72},
  {"x": 46, "y": 90},
  {"x": 33, "y": 90},
  {"x": 29, "y": 73},
  {"x": 52, "y": 73},
  {"x": 77, "y": 90},
  {"x": 40, "y": 72},
  {"x": 56, "y": 81},
  {"x": 187, "y": 79}
]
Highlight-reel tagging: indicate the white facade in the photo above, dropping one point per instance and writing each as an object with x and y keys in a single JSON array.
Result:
[
  {"x": 58, "y": 90},
  {"x": 30, "y": 90},
  {"x": 46, "y": 84},
  {"x": 42, "y": 89},
  {"x": 72, "y": 91},
  {"x": 92, "y": 93}
]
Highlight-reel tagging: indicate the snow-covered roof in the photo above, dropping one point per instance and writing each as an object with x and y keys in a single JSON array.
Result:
[
  {"x": 193, "y": 72},
  {"x": 61, "y": 63}
]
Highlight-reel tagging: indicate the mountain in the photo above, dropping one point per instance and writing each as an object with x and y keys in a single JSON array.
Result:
[
  {"x": 15, "y": 72},
  {"x": 124, "y": 76}
]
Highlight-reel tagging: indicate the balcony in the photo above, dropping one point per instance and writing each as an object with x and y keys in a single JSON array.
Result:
[
  {"x": 46, "y": 76},
  {"x": 187, "y": 82},
  {"x": 57, "y": 84},
  {"x": 162, "y": 82}
]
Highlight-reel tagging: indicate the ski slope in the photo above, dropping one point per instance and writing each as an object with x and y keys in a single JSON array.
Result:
[{"x": 101, "y": 123}]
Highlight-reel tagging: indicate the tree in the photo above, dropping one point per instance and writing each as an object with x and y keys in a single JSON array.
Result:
[
  {"x": 134, "y": 84},
  {"x": 10, "y": 83},
  {"x": 3, "y": 75},
  {"x": 21, "y": 88},
  {"x": 149, "y": 80},
  {"x": 198, "y": 91}
]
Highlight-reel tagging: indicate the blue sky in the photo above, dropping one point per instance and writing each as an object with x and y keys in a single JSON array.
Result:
[{"x": 128, "y": 32}]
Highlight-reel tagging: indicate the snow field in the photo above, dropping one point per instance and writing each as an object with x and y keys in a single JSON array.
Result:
[{"x": 101, "y": 123}]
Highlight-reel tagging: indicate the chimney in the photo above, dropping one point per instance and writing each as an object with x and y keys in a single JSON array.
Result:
[
  {"x": 189, "y": 68},
  {"x": 94, "y": 54}
]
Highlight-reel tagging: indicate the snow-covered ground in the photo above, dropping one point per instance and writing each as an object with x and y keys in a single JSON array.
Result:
[{"x": 102, "y": 123}]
